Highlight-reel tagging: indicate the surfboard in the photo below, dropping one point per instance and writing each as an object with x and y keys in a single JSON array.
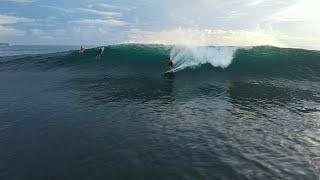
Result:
[
  {"x": 169, "y": 72},
  {"x": 172, "y": 71}
]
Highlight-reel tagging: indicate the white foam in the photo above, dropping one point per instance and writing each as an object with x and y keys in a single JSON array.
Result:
[{"x": 192, "y": 57}]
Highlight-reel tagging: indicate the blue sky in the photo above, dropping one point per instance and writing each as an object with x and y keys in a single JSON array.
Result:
[{"x": 288, "y": 23}]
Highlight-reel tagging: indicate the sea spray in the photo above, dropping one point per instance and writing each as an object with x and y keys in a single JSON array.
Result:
[{"x": 192, "y": 57}]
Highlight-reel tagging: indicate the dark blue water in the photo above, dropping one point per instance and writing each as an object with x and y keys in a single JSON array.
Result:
[{"x": 71, "y": 116}]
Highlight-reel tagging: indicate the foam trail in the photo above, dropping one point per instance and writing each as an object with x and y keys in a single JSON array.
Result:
[{"x": 192, "y": 57}]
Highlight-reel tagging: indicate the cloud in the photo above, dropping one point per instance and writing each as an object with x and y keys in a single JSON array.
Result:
[
  {"x": 292, "y": 34},
  {"x": 4, "y": 19},
  {"x": 50, "y": 34},
  {"x": 66, "y": 10},
  {"x": 104, "y": 5},
  {"x": 9, "y": 31},
  {"x": 302, "y": 10},
  {"x": 23, "y": 1},
  {"x": 254, "y": 2},
  {"x": 100, "y": 13},
  {"x": 293, "y": 23},
  {"x": 87, "y": 10},
  {"x": 37, "y": 32},
  {"x": 105, "y": 22},
  {"x": 204, "y": 37},
  {"x": 110, "y": 6}
]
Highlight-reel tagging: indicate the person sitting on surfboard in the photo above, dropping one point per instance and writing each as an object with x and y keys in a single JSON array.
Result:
[{"x": 82, "y": 49}]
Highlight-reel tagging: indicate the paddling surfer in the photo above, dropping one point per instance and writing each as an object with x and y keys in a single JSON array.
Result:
[{"x": 100, "y": 53}]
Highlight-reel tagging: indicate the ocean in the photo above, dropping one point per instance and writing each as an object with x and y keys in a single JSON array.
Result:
[{"x": 225, "y": 113}]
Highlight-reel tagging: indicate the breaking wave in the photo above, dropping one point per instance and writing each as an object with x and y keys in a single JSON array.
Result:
[{"x": 259, "y": 60}]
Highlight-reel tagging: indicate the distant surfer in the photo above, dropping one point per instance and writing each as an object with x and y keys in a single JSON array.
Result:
[
  {"x": 100, "y": 53},
  {"x": 82, "y": 49}
]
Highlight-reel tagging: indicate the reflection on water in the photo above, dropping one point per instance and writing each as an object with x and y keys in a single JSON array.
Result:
[
  {"x": 230, "y": 128},
  {"x": 268, "y": 115}
]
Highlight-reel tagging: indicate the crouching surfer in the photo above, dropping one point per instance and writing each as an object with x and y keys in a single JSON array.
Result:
[
  {"x": 100, "y": 53},
  {"x": 170, "y": 67},
  {"x": 170, "y": 64}
]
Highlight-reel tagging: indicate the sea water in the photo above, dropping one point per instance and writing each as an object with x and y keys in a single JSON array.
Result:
[{"x": 226, "y": 113}]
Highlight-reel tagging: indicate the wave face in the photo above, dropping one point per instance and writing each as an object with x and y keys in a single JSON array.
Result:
[{"x": 255, "y": 61}]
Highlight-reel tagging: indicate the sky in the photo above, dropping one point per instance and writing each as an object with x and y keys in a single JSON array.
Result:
[{"x": 284, "y": 23}]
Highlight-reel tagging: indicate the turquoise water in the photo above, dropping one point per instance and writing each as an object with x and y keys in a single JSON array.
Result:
[{"x": 226, "y": 113}]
